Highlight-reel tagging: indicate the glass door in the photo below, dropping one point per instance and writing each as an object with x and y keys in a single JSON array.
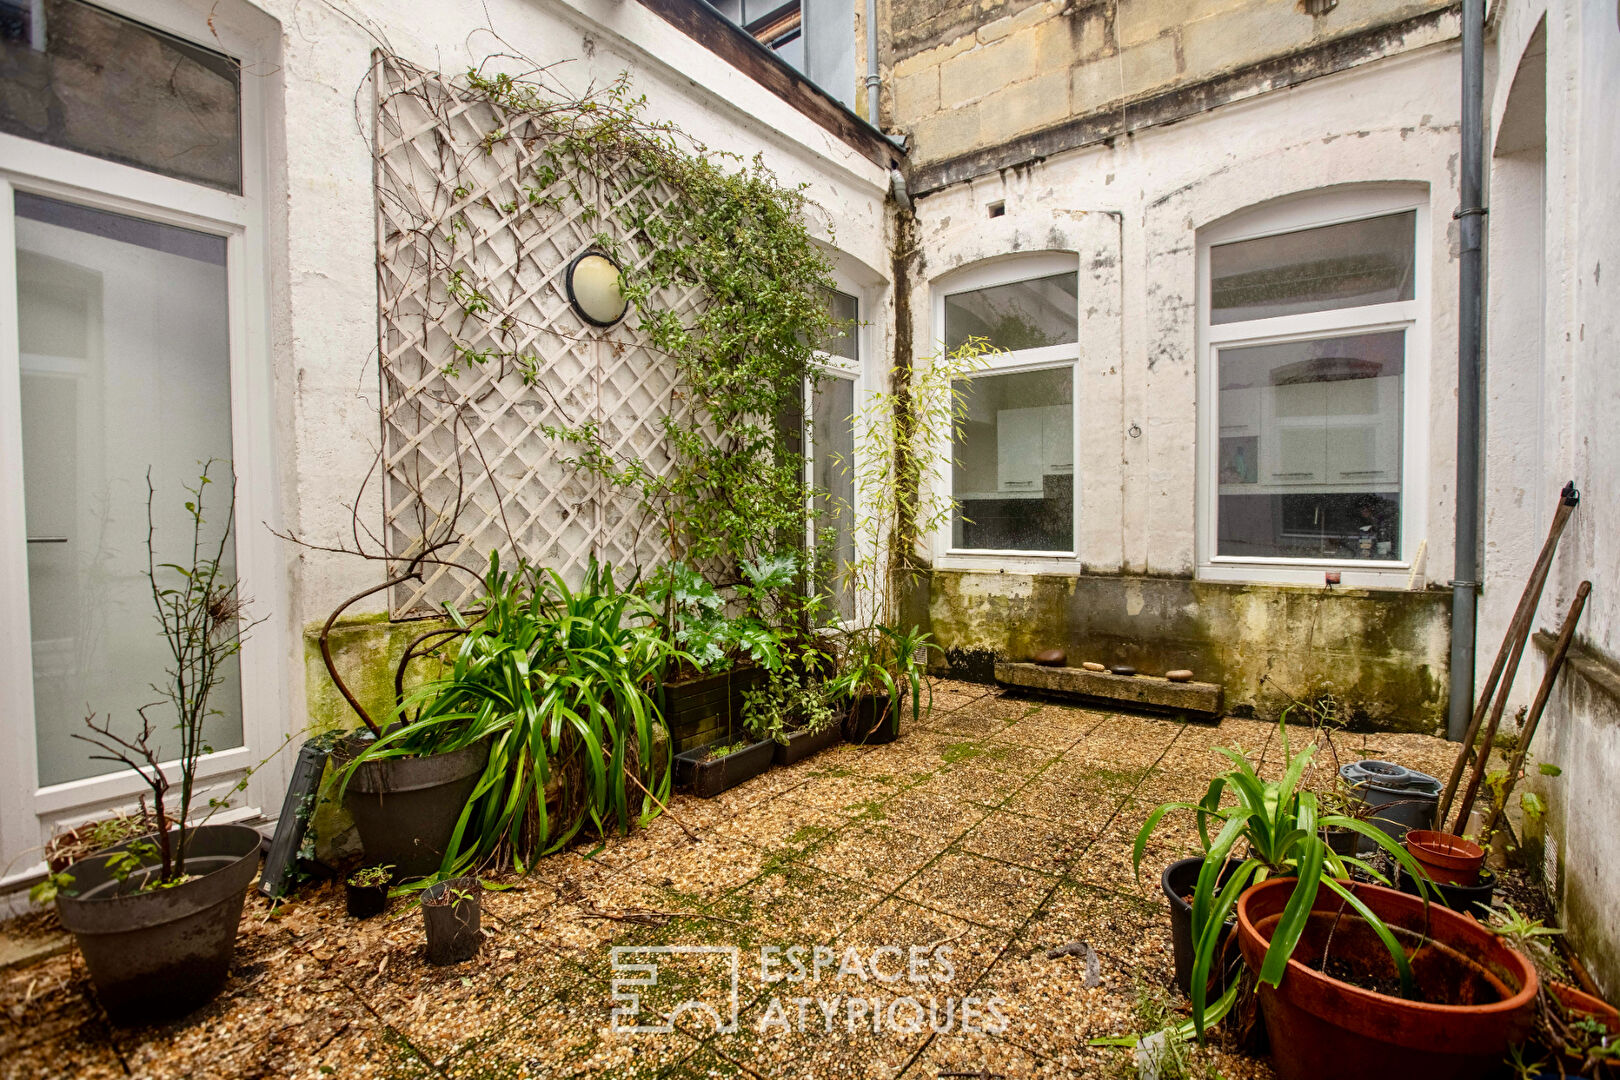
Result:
[{"x": 124, "y": 367}]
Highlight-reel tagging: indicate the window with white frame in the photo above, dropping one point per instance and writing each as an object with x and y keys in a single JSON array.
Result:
[
  {"x": 1012, "y": 458},
  {"x": 831, "y": 453},
  {"x": 1312, "y": 338}
]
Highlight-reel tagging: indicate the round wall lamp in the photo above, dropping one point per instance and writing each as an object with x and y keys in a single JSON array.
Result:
[{"x": 593, "y": 288}]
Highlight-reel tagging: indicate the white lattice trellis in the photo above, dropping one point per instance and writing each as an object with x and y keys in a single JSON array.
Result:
[{"x": 480, "y": 349}]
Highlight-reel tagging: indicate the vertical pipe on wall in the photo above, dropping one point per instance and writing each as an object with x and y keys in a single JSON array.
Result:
[
  {"x": 872, "y": 78},
  {"x": 1471, "y": 227}
]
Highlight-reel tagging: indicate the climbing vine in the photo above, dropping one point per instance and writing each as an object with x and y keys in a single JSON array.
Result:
[{"x": 506, "y": 179}]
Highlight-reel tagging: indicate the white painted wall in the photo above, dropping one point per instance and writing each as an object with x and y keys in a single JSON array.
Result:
[
  {"x": 1394, "y": 121},
  {"x": 1552, "y": 357},
  {"x": 323, "y": 261}
]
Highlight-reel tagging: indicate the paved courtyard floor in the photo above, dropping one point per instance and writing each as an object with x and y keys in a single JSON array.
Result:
[{"x": 953, "y": 882}]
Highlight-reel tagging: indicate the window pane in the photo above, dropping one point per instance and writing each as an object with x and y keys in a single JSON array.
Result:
[
  {"x": 846, "y": 314},
  {"x": 833, "y": 479},
  {"x": 1021, "y": 315},
  {"x": 77, "y": 77},
  {"x": 125, "y": 366},
  {"x": 1310, "y": 448},
  {"x": 1013, "y": 472},
  {"x": 1336, "y": 266}
]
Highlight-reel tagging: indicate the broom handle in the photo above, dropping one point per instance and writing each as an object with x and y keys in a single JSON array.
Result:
[
  {"x": 1512, "y": 643},
  {"x": 1548, "y": 678}
]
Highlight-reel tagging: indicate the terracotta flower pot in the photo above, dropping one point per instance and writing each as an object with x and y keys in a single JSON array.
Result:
[
  {"x": 1475, "y": 995},
  {"x": 1449, "y": 859},
  {"x": 1581, "y": 1004}
]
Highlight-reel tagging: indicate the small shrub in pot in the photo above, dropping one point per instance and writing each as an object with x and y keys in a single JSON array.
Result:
[{"x": 156, "y": 916}]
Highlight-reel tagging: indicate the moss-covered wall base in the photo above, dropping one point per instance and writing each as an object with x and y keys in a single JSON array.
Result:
[
  {"x": 366, "y": 649},
  {"x": 1383, "y": 654}
]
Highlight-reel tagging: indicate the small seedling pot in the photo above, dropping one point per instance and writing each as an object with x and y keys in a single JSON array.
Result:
[
  {"x": 869, "y": 722},
  {"x": 1179, "y": 880},
  {"x": 1448, "y": 859},
  {"x": 365, "y": 901},
  {"x": 706, "y": 776},
  {"x": 451, "y": 913},
  {"x": 159, "y": 954},
  {"x": 801, "y": 744}
]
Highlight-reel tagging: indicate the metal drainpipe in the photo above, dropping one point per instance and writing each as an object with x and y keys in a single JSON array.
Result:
[
  {"x": 1470, "y": 216},
  {"x": 873, "y": 81}
]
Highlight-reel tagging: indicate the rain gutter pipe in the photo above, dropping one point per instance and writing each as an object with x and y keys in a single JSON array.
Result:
[{"x": 1470, "y": 216}]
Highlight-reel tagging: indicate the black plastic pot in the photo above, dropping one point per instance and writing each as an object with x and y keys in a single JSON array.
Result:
[
  {"x": 870, "y": 722},
  {"x": 1461, "y": 898},
  {"x": 706, "y": 776},
  {"x": 1180, "y": 878},
  {"x": 1343, "y": 842},
  {"x": 452, "y": 923},
  {"x": 801, "y": 744},
  {"x": 160, "y": 954},
  {"x": 365, "y": 901},
  {"x": 406, "y": 808}
]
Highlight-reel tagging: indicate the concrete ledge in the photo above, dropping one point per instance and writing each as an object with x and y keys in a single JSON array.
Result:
[{"x": 1204, "y": 700}]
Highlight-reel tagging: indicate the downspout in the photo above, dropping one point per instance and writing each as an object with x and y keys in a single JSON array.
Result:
[
  {"x": 1470, "y": 216},
  {"x": 873, "y": 81}
]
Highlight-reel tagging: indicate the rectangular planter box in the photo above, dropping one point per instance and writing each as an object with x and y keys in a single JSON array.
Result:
[
  {"x": 707, "y": 708},
  {"x": 707, "y": 777},
  {"x": 801, "y": 745}
]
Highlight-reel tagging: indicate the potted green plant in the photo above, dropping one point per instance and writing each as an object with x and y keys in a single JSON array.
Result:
[
  {"x": 156, "y": 916},
  {"x": 366, "y": 891},
  {"x": 1272, "y": 829},
  {"x": 716, "y": 657},
  {"x": 554, "y": 685},
  {"x": 883, "y": 670},
  {"x": 795, "y": 711},
  {"x": 451, "y": 918}
]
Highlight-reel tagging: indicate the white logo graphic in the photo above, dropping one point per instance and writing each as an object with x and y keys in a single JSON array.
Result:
[{"x": 631, "y": 975}]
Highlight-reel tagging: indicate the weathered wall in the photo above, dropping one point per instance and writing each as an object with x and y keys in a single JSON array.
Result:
[
  {"x": 1382, "y": 652},
  {"x": 1145, "y": 197},
  {"x": 324, "y": 293},
  {"x": 975, "y": 81},
  {"x": 1554, "y": 276}
]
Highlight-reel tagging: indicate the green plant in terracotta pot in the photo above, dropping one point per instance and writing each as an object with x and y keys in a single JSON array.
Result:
[{"x": 1271, "y": 829}]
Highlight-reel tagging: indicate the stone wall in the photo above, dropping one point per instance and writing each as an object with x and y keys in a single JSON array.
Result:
[
  {"x": 975, "y": 80},
  {"x": 1383, "y": 654}
]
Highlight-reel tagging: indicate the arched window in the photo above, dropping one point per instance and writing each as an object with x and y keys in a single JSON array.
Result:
[{"x": 1313, "y": 350}]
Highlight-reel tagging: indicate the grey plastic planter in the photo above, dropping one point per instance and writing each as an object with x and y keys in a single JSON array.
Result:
[
  {"x": 1399, "y": 798},
  {"x": 160, "y": 954},
  {"x": 706, "y": 777},
  {"x": 406, "y": 808},
  {"x": 801, "y": 744}
]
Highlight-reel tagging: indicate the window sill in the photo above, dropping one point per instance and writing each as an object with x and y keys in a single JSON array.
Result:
[{"x": 1352, "y": 574}]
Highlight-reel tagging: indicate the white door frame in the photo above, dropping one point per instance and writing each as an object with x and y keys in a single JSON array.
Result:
[{"x": 29, "y": 813}]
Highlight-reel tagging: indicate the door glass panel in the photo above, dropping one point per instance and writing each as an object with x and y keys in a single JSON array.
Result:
[
  {"x": 125, "y": 366},
  {"x": 75, "y": 76},
  {"x": 1310, "y": 448},
  {"x": 1012, "y": 469},
  {"x": 833, "y": 474}
]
